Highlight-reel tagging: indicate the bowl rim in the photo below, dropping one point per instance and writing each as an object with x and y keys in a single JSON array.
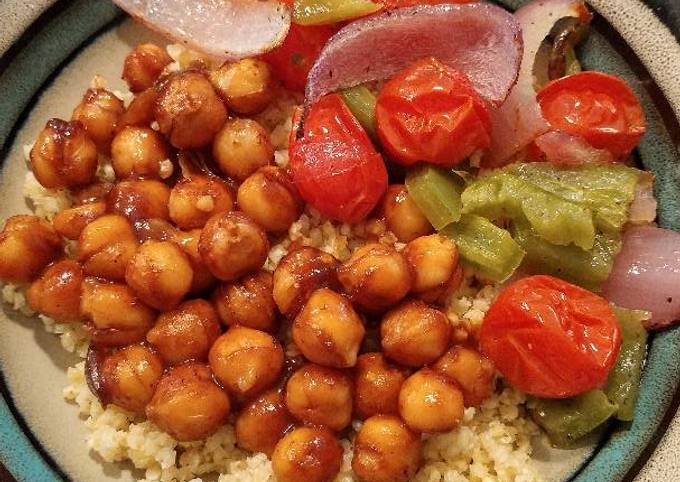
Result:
[{"x": 20, "y": 451}]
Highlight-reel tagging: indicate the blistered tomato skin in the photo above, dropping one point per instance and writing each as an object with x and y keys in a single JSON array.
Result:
[
  {"x": 430, "y": 112},
  {"x": 334, "y": 164},
  {"x": 600, "y": 108},
  {"x": 538, "y": 323}
]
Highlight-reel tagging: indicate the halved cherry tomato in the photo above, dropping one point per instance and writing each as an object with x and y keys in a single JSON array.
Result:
[
  {"x": 550, "y": 338},
  {"x": 430, "y": 112},
  {"x": 293, "y": 59},
  {"x": 335, "y": 165},
  {"x": 600, "y": 108}
]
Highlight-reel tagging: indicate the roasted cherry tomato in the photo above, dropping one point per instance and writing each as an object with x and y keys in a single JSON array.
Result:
[
  {"x": 430, "y": 112},
  {"x": 334, "y": 164},
  {"x": 600, "y": 108},
  {"x": 550, "y": 338},
  {"x": 292, "y": 60}
]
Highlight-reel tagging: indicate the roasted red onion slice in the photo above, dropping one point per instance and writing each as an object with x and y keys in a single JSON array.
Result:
[
  {"x": 643, "y": 207},
  {"x": 646, "y": 275},
  {"x": 225, "y": 29},
  {"x": 480, "y": 39},
  {"x": 519, "y": 120},
  {"x": 564, "y": 148}
]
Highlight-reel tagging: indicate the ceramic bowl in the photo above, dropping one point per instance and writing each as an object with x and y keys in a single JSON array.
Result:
[{"x": 48, "y": 67}]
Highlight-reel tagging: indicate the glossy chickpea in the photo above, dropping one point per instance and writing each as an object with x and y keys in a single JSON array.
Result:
[
  {"x": 203, "y": 279},
  {"x": 64, "y": 156},
  {"x": 241, "y": 148},
  {"x": 309, "y": 454},
  {"x": 430, "y": 402},
  {"x": 129, "y": 376},
  {"x": 143, "y": 65},
  {"x": 57, "y": 292},
  {"x": 140, "y": 112},
  {"x": 233, "y": 245},
  {"x": 99, "y": 112},
  {"x": 376, "y": 277},
  {"x": 320, "y": 395},
  {"x": 328, "y": 331},
  {"x": 434, "y": 263},
  {"x": 70, "y": 222},
  {"x": 376, "y": 386},
  {"x": 27, "y": 245},
  {"x": 248, "y": 302},
  {"x": 414, "y": 334},
  {"x": 386, "y": 450},
  {"x": 114, "y": 315},
  {"x": 188, "y": 404},
  {"x": 160, "y": 273},
  {"x": 246, "y": 361},
  {"x": 262, "y": 423},
  {"x": 196, "y": 199},
  {"x": 474, "y": 373},
  {"x": 247, "y": 86},
  {"x": 139, "y": 152},
  {"x": 106, "y": 246},
  {"x": 298, "y": 274},
  {"x": 185, "y": 333},
  {"x": 189, "y": 111},
  {"x": 140, "y": 199},
  {"x": 402, "y": 216},
  {"x": 93, "y": 193},
  {"x": 270, "y": 198}
]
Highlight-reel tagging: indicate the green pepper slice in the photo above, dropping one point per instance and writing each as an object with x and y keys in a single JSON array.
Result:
[
  {"x": 324, "y": 12},
  {"x": 361, "y": 102},
  {"x": 437, "y": 193}
]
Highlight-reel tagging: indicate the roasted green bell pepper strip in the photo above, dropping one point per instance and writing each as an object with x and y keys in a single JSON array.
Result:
[
  {"x": 323, "y": 12},
  {"x": 573, "y": 66},
  {"x": 568, "y": 420},
  {"x": 490, "y": 250},
  {"x": 557, "y": 220},
  {"x": 623, "y": 385},
  {"x": 437, "y": 193},
  {"x": 361, "y": 102},
  {"x": 588, "y": 269}
]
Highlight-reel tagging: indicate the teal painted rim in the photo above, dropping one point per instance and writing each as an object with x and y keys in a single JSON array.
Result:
[{"x": 30, "y": 64}]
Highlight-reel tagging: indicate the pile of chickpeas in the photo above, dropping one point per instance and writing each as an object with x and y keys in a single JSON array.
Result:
[{"x": 165, "y": 272}]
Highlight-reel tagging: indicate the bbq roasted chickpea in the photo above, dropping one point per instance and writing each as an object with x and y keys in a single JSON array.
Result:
[
  {"x": 140, "y": 152},
  {"x": 474, "y": 374},
  {"x": 114, "y": 315},
  {"x": 99, "y": 112},
  {"x": 233, "y": 245},
  {"x": 247, "y": 86},
  {"x": 27, "y": 245},
  {"x": 328, "y": 331},
  {"x": 58, "y": 291},
  {"x": 386, "y": 450},
  {"x": 128, "y": 377},
  {"x": 140, "y": 199},
  {"x": 402, "y": 216},
  {"x": 188, "y": 110},
  {"x": 434, "y": 263},
  {"x": 262, "y": 423},
  {"x": 195, "y": 199},
  {"x": 320, "y": 396},
  {"x": 246, "y": 361},
  {"x": 188, "y": 404},
  {"x": 430, "y": 402},
  {"x": 376, "y": 386},
  {"x": 70, "y": 222},
  {"x": 160, "y": 273},
  {"x": 203, "y": 279},
  {"x": 64, "y": 155},
  {"x": 312, "y": 454},
  {"x": 185, "y": 333},
  {"x": 143, "y": 65},
  {"x": 241, "y": 147},
  {"x": 106, "y": 246},
  {"x": 248, "y": 302},
  {"x": 270, "y": 198},
  {"x": 376, "y": 277},
  {"x": 414, "y": 334},
  {"x": 300, "y": 273}
]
